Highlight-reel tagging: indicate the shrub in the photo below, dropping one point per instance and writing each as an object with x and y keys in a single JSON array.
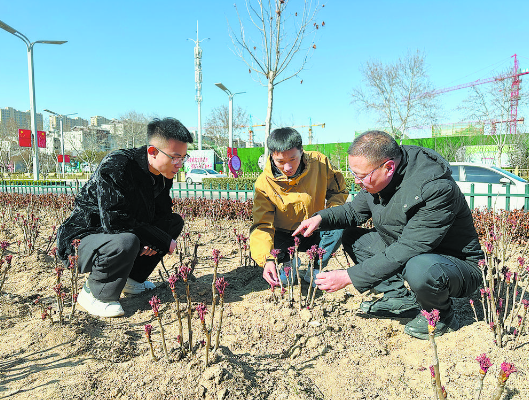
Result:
[{"x": 222, "y": 183}]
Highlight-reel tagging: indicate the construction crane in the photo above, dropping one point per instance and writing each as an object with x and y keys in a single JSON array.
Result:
[
  {"x": 310, "y": 129},
  {"x": 515, "y": 92}
]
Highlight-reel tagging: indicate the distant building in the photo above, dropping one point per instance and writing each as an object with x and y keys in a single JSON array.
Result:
[
  {"x": 97, "y": 121},
  {"x": 67, "y": 122},
  {"x": 21, "y": 119},
  {"x": 80, "y": 139},
  {"x": 116, "y": 129}
]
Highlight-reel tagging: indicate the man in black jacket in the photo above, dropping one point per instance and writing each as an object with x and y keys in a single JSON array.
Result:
[
  {"x": 423, "y": 234},
  {"x": 123, "y": 217}
]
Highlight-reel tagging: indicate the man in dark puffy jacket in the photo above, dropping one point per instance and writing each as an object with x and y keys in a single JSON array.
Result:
[
  {"x": 123, "y": 217},
  {"x": 423, "y": 234}
]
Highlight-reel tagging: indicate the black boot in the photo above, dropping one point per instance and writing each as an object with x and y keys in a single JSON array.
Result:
[
  {"x": 405, "y": 306},
  {"x": 418, "y": 327}
]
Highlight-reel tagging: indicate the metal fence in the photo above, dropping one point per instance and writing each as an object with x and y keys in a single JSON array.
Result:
[
  {"x": 184, "y": 190},
  {"x": 29, "y": 187}
]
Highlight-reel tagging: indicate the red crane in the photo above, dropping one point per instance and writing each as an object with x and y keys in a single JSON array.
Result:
[{"x": 515, "y": 91}]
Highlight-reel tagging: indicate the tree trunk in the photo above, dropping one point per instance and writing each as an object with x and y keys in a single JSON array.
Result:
[{"x": 268, "y": 121}]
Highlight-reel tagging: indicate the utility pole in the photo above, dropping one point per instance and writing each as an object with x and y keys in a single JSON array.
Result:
[
  {"x": 32, "y": 102},
  {"x": 198, "y": 84}
]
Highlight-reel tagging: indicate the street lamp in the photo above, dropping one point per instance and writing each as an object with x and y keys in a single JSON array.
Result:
[
  {"x": 29, "y": 46},
  {"x": 61, "y": 116},
  {"x": 230, "y": 95}
]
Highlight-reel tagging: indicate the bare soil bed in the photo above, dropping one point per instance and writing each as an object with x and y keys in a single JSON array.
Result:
[{"x": 268, "y": 350}]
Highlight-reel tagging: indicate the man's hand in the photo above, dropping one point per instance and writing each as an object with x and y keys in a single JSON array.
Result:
[
  {"x": 147, "y": 251},
  {"x": 332, "y": 281},
  {"x": 270, "y": 274},
  {"x": 172, "y": 247},
  {"x": 307, "y": 227}
]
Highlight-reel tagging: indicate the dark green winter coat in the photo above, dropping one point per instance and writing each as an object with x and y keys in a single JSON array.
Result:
[{"x": 422, "y": 210}]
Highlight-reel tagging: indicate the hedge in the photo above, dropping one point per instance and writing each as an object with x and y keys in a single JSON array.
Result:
[{"x": 239, "y": 183}]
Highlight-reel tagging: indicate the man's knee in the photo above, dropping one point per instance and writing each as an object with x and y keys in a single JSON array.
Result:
[
  {"x": 176, "y": 225},
  {"x": 126, "y": 242},
  {"x": 107, "y": 249},
  {"x": 425, "y": 273}
]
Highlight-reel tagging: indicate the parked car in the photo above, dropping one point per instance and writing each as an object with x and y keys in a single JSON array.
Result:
[
  {"x": 196, "y": 175},
  {"x": 481, "y": 175}
]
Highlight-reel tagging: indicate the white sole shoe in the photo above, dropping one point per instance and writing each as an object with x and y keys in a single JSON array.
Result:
[
  {"x": 132, "y": 287},
  {"x": 96, "y": 307}
]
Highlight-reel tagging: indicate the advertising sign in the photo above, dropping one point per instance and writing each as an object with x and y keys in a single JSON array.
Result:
[
  {"x": 234, "y": 163},
  {"x": 200, "y": 159}
]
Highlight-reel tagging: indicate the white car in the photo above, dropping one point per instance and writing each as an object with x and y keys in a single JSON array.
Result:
[
  {"x": 196, "y": 175},
  {"x": 501, "y": 182}
]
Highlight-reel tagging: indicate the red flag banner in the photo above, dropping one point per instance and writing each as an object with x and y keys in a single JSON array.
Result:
[
  {"x": 24, "y": 138},
  {"x": 41, "y": 139}
]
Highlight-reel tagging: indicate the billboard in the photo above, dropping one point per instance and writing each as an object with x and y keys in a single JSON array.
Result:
[{"x": 200, "y": 159}]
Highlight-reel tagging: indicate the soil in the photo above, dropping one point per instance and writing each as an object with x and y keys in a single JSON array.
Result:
[{"x": 267, "y": 350}]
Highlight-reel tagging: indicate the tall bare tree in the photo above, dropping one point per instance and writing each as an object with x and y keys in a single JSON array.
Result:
[
  {"x": 491, "y": 104},
  {"x": 218, "y": 123},
  {"x": 270, "y": 39},
  {"x": 217, "y": 129},
  {"x": 134, "y": 130},
  {"x": 8, "y": 141},
  {"x": 394, "y": 93}
]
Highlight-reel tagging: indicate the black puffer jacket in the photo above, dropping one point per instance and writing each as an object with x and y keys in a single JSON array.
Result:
[
  {"x": 422, "y": 210},
  {"x": 119, "y": 197}
]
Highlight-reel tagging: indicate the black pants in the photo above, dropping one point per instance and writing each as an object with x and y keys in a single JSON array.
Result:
[
  {"x": 112, "y": 258},
  {"x": 433, "y": 278}
]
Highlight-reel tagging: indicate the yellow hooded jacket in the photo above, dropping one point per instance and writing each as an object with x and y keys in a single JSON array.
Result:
[{"x": 282, "y": 202}]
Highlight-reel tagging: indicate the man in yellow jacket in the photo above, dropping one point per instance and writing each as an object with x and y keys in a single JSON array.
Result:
[{"x": 292, "y": 187}]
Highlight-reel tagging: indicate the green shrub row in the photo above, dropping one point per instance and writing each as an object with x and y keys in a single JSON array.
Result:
[
  {"x": 239, "y": 183},
  {"x": 233, "y": 183}
]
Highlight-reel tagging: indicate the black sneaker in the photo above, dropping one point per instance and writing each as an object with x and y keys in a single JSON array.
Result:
[
  {"x": 418, "y": 327},
  {"x": 391, "y": 307}
]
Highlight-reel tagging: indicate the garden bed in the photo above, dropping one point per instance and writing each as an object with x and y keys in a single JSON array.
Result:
[{"x": 268, "y": 349}]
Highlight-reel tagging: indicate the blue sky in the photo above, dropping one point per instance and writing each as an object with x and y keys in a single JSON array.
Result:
[{"x": 125, "y": 55}]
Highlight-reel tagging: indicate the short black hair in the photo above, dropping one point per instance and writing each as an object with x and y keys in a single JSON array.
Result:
[
  {"x": 282, "y": 139},
  {"x": 375, "y": 146},
  {"x": 168, "y": 128}
]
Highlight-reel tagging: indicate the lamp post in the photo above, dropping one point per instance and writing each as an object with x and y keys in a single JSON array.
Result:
[
  {"x": 32, "y": 104},
  {"x": 61, "y": 116},
  {"x": 230, "y": 95}
]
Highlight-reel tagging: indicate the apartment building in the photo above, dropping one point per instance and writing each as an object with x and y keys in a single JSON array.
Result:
[
  {"x": 97, "y": 121},
  {"x": 80, "y": 139},
  {"x": 12, "y": 119},
  {"x": 67, "y": 123}
]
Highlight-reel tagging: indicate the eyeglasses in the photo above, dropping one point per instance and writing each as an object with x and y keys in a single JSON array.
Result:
[
  {"x": 174, "y": 159},
  {"x": 369, "y": 174}
]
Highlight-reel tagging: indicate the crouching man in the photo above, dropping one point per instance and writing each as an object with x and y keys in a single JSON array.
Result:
[
  {"x": 293, "y": 185},
  {"x": 423, "y": 234},
  {"x": 123, "y": 217}
]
